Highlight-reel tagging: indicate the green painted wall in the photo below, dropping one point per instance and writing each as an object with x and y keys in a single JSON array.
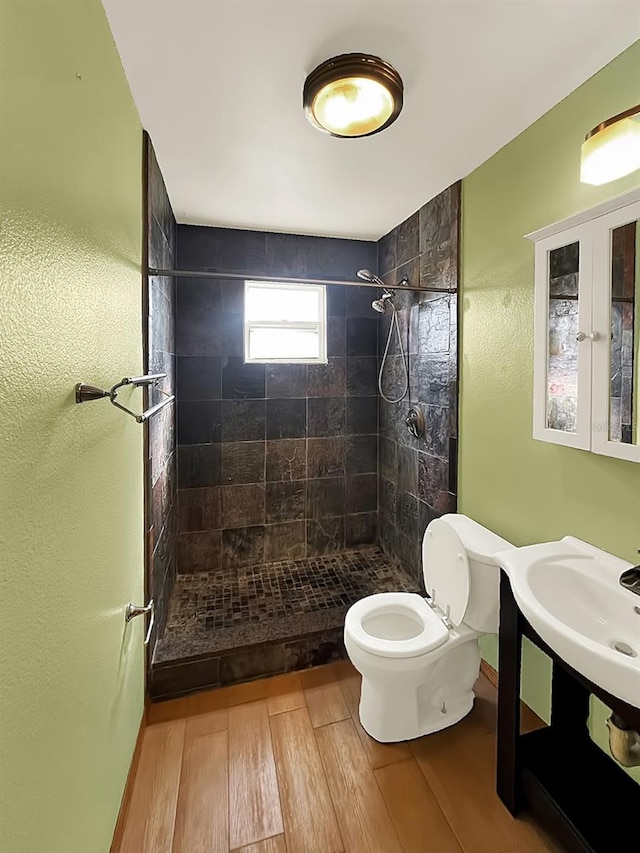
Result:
[
  {"x": 71, "y": 535},
  {"x": 528, "y": 490}
]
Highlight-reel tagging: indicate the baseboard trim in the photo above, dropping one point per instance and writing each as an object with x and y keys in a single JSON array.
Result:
[
  {"x": 489, "y": 672},
  {"x": 125, "y": 803}
]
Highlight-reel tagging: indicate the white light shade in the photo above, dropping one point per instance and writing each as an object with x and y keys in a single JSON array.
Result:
[
  {"x": 611, "y": 152},
  {"x": 353, "y": 106}
]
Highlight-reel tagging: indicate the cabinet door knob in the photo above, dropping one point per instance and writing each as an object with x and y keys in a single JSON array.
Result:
[{"x": 583, "y": 336}]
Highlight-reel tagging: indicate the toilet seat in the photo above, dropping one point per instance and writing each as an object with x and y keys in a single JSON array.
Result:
[
  {"x": 395, "y": 612},
  {"x": 445, "y": 568}
]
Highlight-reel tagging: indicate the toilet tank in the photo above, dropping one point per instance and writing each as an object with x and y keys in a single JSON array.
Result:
[{"x": 483, "y": 609}]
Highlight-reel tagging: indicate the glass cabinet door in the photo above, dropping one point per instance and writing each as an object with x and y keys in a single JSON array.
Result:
[
  {"x": 616, "y": 312},
  {"x": 563, "y": 339}
]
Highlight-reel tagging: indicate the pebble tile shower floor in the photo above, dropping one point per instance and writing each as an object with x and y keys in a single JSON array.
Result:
[{"x": 216, "y": 611}]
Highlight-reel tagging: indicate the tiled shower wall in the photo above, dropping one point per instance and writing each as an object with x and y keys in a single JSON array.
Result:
[
  {"x": 274, "y": 461},
  {"x": 161, "y": 466},
  {"x": 418, "y": 476}
]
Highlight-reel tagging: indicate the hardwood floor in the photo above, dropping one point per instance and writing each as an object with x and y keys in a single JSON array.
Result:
[{"x": 283, "y": 765}]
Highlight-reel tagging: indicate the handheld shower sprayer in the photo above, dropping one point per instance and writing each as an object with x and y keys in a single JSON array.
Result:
[{"x": 380, "y": 306}]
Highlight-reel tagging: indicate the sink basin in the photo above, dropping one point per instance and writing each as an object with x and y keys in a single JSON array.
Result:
[{"x": 569, "y": 592}]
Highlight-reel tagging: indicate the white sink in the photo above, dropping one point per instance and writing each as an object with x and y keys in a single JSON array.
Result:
[{"x": 569, "y": 592}]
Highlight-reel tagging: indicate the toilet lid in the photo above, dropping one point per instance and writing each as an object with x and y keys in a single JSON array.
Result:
[{"x": 446, "y": 569}]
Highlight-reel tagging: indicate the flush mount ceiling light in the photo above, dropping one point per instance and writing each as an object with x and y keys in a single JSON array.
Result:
[
  {"x": 612, "y": 149},
  {"x": 353, "y": 95}
]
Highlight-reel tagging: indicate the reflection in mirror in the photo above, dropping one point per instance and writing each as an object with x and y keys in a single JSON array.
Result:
[
  {"x": 562, "y": 365},
  {"x": 624, "y": 262}
]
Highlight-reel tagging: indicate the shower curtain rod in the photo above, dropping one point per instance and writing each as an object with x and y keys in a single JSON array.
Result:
[{"x": 284, "y": 280}]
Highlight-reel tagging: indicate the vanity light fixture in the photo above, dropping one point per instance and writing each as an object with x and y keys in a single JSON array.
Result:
[
  {"x": 612, "y": 149},
  {"x": 353, "y": 95}
]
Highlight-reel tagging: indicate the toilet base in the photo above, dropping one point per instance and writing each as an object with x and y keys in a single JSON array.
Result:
[
  {"x": 398, "y": 705},
  {"x": 434, "y": 722}
]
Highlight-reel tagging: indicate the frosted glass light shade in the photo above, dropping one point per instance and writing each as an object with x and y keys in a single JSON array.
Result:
[
  {"x": 353, "y": 95},
  {"x": 612, "y": 150}
]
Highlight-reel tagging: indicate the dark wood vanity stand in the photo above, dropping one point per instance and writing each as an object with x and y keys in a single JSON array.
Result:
[{"x": 580, "y": 794}]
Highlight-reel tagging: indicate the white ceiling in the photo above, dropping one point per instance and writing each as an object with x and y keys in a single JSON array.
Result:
[{"x": 218, "y": 85}]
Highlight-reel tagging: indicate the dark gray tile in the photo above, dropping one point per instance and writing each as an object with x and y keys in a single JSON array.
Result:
[
  {"x": 285, "y": 541},
  {"x": 362, "y": 493},
  {"x": 199, "y": 422},
  {"x": 362, "y": 415},
  {"x": 286, "y": 459},
  {"x": 199, "y": 509},
  {"x": 243, "y": 420},
  {"x": 286, "y": 501},
  {"x": 286, "y": 380},
  {"x": 433, "y": 326},
  {"x": 243, "y": 462},
  {"x": 387, "y": 252},
  {"x": 433, "y": 481},
  {"x": 198, "y": 552},
  {"x": 388, "y": 459},
  {"x": 359, "y": 301},
  {"x": 199, "y": 378},
  {"x": 326, "y": 497},
  {"x": 327, "y": 416},
  {"x": 169, "y": 681},
  {"x": 232, "y": 331},
  {"x": 362, "y": 376},
  {"x": 243, "y": 505},
  {"x": 336, "y": 337},
  {"x": 327, "y": 380},
  {"x": 407, "y": 515},
  {"x": 232, "y": 291},
  {"x": 436, "y": 433},
  {"x": 361, "y": 454},
  {"x": 198, "y": 317},
  {"x": 325, "y": 536},
  {"x": 433, "y": 383},
  {"x": 243, "y": 546},
  {"x": 227, "y": 249},
  {"x": 314, "y": 650},
  {"x": 249, "y": 663},
  {"x": 325, "y": 457},
  {"x": 387, "y": 498},
  {"x": 198, "y": 465},
  {"x": 242, "y": 381},
  {"x": 336, "y": 301},
  {"x": 362, "y": 336},
  {"x": 361, "y": 529},
  {"x": 407, "y": 477},
  {"x": 408, "y": 239},
  {"x": 286, "y": 418},
  {"x": 426, "y": 515}
]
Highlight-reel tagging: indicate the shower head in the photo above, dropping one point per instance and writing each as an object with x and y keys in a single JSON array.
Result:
[
  {"x": 380, "y": 305},
  {"x": 367, "y": 275}
]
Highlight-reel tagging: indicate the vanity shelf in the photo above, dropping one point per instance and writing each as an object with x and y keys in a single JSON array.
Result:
[{"x": 584, "y": 798}]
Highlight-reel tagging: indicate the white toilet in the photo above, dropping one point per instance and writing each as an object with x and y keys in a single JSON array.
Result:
[{"x": 419, "y": 658}]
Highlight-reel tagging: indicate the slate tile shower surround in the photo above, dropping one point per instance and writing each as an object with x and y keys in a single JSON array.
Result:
[
  {"x": 417, "y": 477},
  {"x": 275, "y": 461},
  {"x": 161, "y": 491}
]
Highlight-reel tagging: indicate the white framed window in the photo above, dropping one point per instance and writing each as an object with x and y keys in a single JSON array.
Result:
[{"x": 285, "y": 323}]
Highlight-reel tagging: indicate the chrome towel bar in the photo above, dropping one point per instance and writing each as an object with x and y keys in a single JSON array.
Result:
[
  {"x": 133, "y": 610},
  {"x": 85, "y": 393}
]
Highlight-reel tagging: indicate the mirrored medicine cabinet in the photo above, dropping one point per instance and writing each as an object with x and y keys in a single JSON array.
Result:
[{"x": 587, "y": 330}]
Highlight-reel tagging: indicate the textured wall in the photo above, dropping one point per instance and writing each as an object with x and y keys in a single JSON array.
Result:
[
  {"x": 529, "y": 490},
  {"x": 274, "y": 461},
  {"x": 161, "y": 468},
  {"x": 418, "y": 475},
  {"x": 71, "y": 486}
]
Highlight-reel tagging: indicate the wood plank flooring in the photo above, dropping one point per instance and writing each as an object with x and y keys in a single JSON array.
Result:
[{"x": 282, "y": 765}]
